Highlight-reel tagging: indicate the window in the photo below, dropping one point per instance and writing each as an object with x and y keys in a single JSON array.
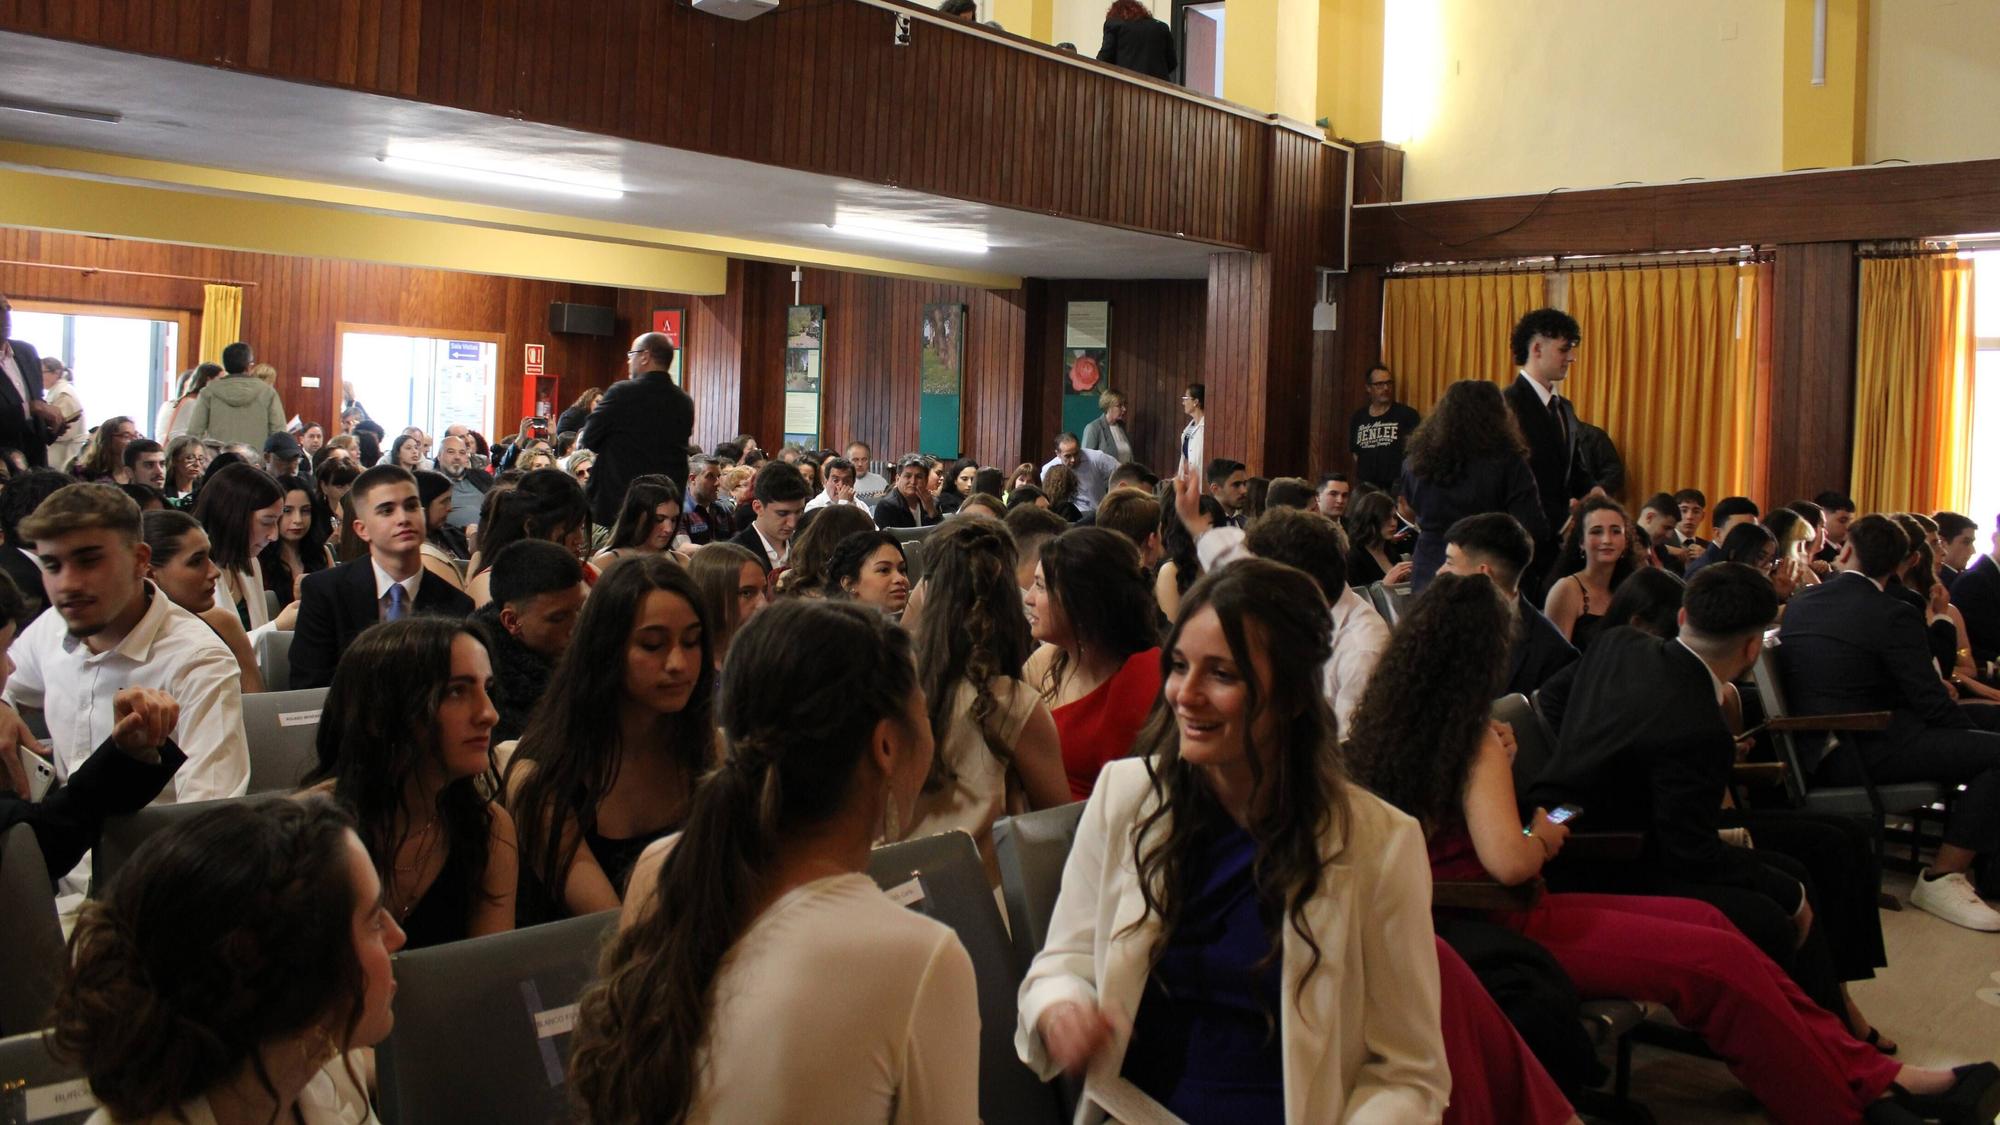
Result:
[
  {"x": 405, "y": 377},
  {"x": 120, "y": 364},
  {"x": 1985, "y": 492}
]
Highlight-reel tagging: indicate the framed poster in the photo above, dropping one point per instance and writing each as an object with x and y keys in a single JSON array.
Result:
[
  {"x": 1086, "y": 361},
  {"x": 805, "y": 333},
  {"x": 671, "y": 322},
  {"x": 941, "y": 370}
]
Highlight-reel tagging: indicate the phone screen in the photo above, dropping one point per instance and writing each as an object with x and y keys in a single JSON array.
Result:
[{"x": 1563, "y": 813}]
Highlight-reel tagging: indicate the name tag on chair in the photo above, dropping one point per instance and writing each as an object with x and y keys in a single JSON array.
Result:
[{"x": 298, "y": 718}]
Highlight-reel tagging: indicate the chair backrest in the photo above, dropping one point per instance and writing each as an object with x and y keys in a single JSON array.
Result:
[
  {"x": 909, "y": 535},
  {"x": 31, "y": 967},
  {"x": 271, "y": 605},
  {"x": 1031, "y": 850},
  {"x": 913, "y": 555},
  {"x": 952, "y": 888},
  {"x": 1378, "y": 596},
  {"x": 35, "y": 1087},
  {"x": 1771, "y": 696},
  {"x": 1534, "y": 742},
  {"x": 123, "y": 836},
  {"x": 273, "y": 648},
  {"x": 482, "y": 1026},
  {"x": 281, "y": 728}
]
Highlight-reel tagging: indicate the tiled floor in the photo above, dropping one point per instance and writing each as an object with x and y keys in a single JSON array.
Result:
[{"x": 1927, "y": 1000}]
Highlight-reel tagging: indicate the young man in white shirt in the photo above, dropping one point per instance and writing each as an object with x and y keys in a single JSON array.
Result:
[
  {"x": 336, "y": 604},
  {"x": 1093, "y": 470},
  {"x": 112, "y": 629}
]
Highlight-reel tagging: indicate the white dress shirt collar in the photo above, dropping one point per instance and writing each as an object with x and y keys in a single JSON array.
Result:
[
  {"x": 772, "y": 551},
  {"x": 1541, "y": 392},
  {"x": 384, "y": 580}
]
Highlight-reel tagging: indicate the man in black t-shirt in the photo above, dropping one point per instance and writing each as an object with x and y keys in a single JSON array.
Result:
[{"x": 1378, "y": 432}]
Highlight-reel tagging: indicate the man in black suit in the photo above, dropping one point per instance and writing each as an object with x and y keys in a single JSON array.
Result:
[
  {"x": 336, "y": 605},
  {"x": 18, "y": 501},
  {"x": 641, "y": 425},
  {"x": 1496, "y": 545},
  {"x": 1645, "y": 748},
  {"x": 780, "y": 493},
  {"x": 1847, "y": 645},
  {"x": 1838, "y": 508},
  {"x": 906, "y": 504},
  {"x": 1976, "y": 593},
  {"x": 26, "y": 422},
  {"x": 1544, "y": 344}
]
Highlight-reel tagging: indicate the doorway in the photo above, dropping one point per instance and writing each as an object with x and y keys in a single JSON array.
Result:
[
  {"x": 1201, "y": 48},
  {"x": 122, "y": 360},
  {"x": 425, "y": 377}
]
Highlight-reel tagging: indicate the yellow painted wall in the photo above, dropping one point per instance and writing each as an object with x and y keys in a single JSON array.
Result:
[
  {"x": 1824, "y": 123},
  {"x": 1933, "y": 80},
  {"x": 1535, "y": 94},
  {"x": 1350, "y": 68},
  {"x": 1082, "y": 22}
]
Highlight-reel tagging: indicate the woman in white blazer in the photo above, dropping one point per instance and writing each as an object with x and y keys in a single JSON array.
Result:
[{"x": 1339, "y": 883}]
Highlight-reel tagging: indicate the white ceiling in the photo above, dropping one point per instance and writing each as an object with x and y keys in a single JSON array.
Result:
[{"x": 199, "y": 115}]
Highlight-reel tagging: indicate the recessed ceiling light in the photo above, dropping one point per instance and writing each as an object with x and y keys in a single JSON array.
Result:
[
  {"x": 495, "y": 176},
  {"x": 52, "y": 109},
  {"x": 954, "y": 239}
]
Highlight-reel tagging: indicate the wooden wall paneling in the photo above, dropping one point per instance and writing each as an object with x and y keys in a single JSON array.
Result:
[
  {"x": 1810, "y": 444},
  {"x": 1157, "y": 334},
  {"x": 1856, "y": 204}
]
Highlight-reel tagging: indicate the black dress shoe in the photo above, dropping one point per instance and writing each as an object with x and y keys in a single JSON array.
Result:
[{"x": 1974, "y": 1099}]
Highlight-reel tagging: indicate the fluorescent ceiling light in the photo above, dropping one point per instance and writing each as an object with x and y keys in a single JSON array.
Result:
[
  {"x": 51, "y": 109},
  {"x": 954, "y": 239},
  {"x": 505, "y": 179}
]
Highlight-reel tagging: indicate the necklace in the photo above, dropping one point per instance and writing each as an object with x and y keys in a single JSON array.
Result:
[{"x": 423, "y": 859}]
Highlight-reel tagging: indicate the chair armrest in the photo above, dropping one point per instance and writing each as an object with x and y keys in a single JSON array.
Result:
[
  {"x": 1484, "y": 894},
  {"x": 1760, "y": 773},
  {"x": 1853, "y": 720}
]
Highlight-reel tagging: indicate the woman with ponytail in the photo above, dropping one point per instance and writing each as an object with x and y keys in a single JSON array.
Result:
[
  {"x": 231, "y": 971},
  {"x": 760, "y": 911},
  {"x": 997, "y": 748}
]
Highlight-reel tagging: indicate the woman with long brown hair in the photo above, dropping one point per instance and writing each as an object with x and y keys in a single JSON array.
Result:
[
  {"x": 761, "y": 910},
  {"x": 1466, "y": 458},
  {"x": 1598, "y": 555}
]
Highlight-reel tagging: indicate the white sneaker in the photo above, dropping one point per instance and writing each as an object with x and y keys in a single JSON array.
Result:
[{"x": 1952, "y": 898}]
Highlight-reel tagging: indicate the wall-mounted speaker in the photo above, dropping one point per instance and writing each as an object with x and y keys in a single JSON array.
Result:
[{"x": 582, "y": 320}]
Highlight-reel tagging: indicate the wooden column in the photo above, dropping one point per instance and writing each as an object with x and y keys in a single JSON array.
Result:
[
  {"x": 1340, "y": 358},
  {"x": 1808, "y": 446},
  {"x": 1259, "y": 344}
]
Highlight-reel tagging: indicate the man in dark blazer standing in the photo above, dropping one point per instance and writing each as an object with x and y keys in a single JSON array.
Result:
[
  {"x": 335, "y": 605},
  {"x": 26, "y": 422},
  {"x": 1847, "y": 645},
  {"x": 641, "y": 425},
  {"x": 1545, "y": 343},
  {"x": 1645, "y": 748}
]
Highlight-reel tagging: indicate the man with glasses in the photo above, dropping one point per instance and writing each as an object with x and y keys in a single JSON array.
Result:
[
  {"x": 641, "y": 425},
  {"x": 1378, "y": 432}
]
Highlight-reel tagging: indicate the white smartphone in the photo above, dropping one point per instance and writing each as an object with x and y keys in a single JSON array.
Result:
[{"x": 40, "y": 771}]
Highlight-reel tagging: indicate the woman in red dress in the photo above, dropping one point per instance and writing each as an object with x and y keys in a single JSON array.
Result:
[{"x": 1098, "y": 668}]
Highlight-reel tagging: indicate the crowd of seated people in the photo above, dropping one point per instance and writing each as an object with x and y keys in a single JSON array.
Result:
[{"x": 707, "y": 712}]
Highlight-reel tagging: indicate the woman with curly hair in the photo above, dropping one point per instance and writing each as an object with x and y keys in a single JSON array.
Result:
[
  {"x": 1264, "y": 922},
  {"x": 232, "y": 972},
  {"x": 998, "y": 752},
  {"x": 820, "y": 530},
  {"x": 1467, "y": 457},
  {"x": 762, "y": 910},
  {"x": 1599, "y": 554},
  {"x": 1422, "y": 740},
  {"x": 1060, "y": 484},
  {"x": 869, "y": 567}
]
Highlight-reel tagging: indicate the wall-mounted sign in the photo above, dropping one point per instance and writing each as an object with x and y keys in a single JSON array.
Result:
[
  {"x": 531, "y": 363},
  {"x": 669, "y": 322},
  {"x": 941, "y": 366},
  {"x": 805, "y": 339},
  {"x": 1086, "y": 361}
]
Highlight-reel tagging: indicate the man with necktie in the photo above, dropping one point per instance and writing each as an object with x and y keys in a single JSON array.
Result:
[
  {"x": 390, "y": 583},
  {"x": 1545, "y": 343}
]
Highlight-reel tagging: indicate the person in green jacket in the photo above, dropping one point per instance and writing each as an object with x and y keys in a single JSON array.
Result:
[{"x": 238, "y": 408}]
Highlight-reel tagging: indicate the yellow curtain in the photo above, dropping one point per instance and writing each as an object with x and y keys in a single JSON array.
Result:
[
  {"x": 1913, "y": 385},
  {"x": 1437, "y": 330},
  {"x": 221, "y": 320},
  {"x": 1668, "y": 368}
]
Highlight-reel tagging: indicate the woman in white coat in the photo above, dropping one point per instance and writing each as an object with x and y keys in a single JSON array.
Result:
[{"x": 1241, "y": 934}]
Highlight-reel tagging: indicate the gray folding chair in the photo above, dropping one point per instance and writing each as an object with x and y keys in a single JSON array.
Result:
[
  {"x": 273, "y": 648},
  {"x": 913, "y": 556},
  {"x": 31, "y": 969},
  {"x": 1031, "y": 850},
  {"x": 271, "y": 604},
  {"x": 482, "y": 1026},
  {"x": 1378, "y": 596},
  {"x": 281, "y": 728},
  {"x": 955, "y": 892},
  {"x": 123, "y": 836},
  {"x": 41, "y": 1089}
]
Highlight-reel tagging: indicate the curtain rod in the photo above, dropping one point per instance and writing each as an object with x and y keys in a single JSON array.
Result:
[
  {"x": 1581, "y": 264},
  {"x": 129, "y": 273}
]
